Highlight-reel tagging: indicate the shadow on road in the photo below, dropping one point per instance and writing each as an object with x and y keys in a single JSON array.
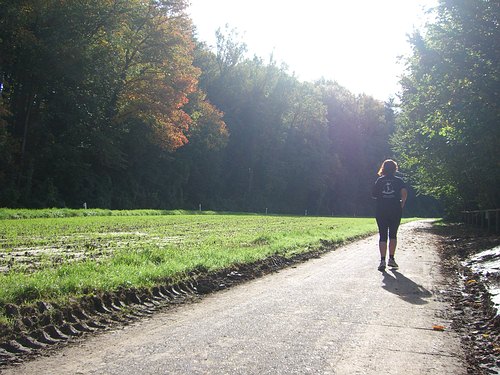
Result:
[{"x": 405, "y": 288}]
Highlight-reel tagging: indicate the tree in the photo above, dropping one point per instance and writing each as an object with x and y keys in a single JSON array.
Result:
[
  {"x": 448, "y": 133},
  {"x": 87, "y": 88},
  {"x": 292, "y": 146}
]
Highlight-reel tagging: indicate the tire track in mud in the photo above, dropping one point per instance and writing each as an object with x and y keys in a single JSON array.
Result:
[{"x": 45, "y": 327}]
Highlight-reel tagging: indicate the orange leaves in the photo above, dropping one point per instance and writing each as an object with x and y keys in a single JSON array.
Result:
[
  {"x": 171, "y": 131},
  {"x": 158, "y": 77},
  {"x": 159, "y": 106},
  {"x": 438, "y": 328}
]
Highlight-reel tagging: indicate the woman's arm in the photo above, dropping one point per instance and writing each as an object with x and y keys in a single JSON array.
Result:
[
  {"x": 375, "y": 189},
  {"x": 404, "y": 195}
]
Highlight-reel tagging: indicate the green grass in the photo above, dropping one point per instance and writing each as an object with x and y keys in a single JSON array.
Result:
[
  {"x": 54, "y": 259},
  {"x": 11, "y": 213}
]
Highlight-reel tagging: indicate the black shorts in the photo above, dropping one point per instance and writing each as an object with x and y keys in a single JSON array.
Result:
[{"x": 388, "y": 223}]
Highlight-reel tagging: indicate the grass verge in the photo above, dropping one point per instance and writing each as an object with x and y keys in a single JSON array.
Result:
[{"x": 14, "y": 213}]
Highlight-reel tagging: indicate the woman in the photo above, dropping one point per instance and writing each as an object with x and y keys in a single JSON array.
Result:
[{"x": 390, "y": 193}]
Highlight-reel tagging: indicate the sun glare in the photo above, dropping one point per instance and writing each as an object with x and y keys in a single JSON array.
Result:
[{"x": 356, "y": 42}]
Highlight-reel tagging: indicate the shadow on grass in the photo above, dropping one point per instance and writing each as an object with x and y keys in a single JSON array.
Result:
[{"x": 408, "y": 290}]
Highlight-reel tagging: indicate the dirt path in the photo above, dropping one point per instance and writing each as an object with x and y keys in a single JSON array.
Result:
[{"x": 333, "y": 315}]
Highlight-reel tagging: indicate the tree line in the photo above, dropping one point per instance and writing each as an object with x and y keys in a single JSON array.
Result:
[{"x": 116, "y": 103}]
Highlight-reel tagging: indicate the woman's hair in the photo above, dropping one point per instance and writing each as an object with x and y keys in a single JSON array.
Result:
[{"x": 388, "y": 168}]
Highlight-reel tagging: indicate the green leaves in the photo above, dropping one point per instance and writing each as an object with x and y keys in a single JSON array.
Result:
[{"x": 448, "y": 127}]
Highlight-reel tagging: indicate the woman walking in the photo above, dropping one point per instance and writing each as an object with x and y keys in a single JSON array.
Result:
[{"x": 391, "y": 193}]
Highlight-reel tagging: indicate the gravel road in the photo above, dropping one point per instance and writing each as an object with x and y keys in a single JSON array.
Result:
[{"x": 332, "y": 315}]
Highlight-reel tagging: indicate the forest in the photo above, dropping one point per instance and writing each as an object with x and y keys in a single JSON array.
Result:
[{"x": 116, "y": 104}]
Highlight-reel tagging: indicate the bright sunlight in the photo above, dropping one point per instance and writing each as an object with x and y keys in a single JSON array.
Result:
[{"x": 355, "y": 42}]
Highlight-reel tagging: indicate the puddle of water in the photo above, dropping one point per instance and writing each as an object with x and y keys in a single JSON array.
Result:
[{"x": 487, "y": 263}]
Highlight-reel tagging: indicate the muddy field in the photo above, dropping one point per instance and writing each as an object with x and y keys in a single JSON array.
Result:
[{"x": 78, "y": 247}]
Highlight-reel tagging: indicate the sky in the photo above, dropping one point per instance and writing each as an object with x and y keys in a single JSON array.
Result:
[{"x": 354, "y": 42}]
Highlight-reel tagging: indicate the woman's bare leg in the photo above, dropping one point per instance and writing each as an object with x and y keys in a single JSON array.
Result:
[
  {"x": 392, "y": 246},
  {"x": 383, "y": 249}
]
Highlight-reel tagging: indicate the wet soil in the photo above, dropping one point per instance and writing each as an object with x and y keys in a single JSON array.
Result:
[{"x": 474, "y": 316}]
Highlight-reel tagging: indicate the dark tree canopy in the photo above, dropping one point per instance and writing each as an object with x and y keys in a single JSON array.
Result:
[
  {"x": 116, "y": 104},
  {"x": 93, "y": 102}
]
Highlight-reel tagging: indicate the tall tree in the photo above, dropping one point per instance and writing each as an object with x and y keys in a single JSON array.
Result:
[{"x": 448, "y": 131}]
